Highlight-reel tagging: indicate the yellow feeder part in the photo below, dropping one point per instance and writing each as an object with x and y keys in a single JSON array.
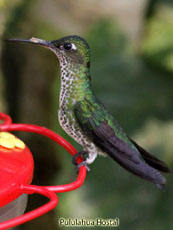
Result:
[{"x": 9, "y": 141}]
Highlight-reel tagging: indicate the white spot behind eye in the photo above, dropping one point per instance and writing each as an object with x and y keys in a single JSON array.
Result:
[{"x": 73, "y": 47}]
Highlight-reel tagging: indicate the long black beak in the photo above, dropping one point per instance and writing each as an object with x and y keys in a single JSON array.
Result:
[{"x": 36, "y": 41}]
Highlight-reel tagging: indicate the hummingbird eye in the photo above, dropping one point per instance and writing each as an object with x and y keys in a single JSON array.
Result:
[{"x": 68, "y": 46}]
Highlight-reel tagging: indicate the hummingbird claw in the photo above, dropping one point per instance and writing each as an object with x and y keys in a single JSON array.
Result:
[
  {"x": 83, "y": 163},
  {"x": 81, "y": 153}
]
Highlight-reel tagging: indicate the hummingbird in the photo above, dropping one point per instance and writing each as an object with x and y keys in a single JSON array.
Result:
[{"x": 83, "y": 116}]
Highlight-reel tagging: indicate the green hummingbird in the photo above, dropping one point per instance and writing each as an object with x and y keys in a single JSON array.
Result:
[{"x": 86, "y": 119}]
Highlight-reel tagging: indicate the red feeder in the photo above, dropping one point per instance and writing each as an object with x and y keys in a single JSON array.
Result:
[{"x": 16, "y": 170}]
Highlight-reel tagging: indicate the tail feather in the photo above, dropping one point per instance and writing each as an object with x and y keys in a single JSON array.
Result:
[
  {"x": 141, "y": 169},
  {"x": 161, "y": 186}
]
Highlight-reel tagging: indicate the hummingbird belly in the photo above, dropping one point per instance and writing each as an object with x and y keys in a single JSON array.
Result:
[{"x": 71, "y": 127}]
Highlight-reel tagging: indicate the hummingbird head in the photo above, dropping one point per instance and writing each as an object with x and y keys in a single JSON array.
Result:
[
  {"x": 72, "y": 49},
  {"x": 74, "y": 56}
]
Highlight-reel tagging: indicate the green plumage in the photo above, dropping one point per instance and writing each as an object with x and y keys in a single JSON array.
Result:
[{"x": 91, "y": 107}]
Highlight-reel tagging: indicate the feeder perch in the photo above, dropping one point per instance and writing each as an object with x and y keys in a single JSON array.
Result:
[{"x": 16, "y": 170}]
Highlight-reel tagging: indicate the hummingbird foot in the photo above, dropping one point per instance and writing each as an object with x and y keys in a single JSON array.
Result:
[
  {"x": 81, "y": 153},
  {"x": 83, "y": 163}
]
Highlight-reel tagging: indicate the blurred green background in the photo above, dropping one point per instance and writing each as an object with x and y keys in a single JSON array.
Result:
[{"x": 132, "y": 73}]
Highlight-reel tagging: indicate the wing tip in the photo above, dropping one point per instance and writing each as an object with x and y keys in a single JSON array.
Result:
[
  {"x": 168, "y": 170},
  {"x": 152, "y": 160}
]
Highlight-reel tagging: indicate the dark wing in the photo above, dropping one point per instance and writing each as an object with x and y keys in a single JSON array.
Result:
[{"x": 98, "y": 126}]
